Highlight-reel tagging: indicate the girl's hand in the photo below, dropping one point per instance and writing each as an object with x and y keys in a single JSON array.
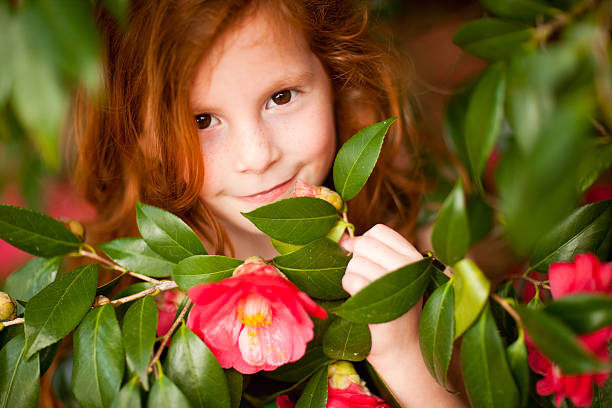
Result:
[{"x": 377, "y": 252}]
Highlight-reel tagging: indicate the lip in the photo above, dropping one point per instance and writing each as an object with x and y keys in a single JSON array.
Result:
[{"x": 270, "y": 195}]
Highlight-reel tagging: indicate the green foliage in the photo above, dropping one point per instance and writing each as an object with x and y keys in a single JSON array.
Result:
[
  {"x": 199, "y": 269},
  {"x": 135, "y": 255},
  {"x": 129, "y": 396},
  {"x": 165, "y": 393},
  {"x": 138, "y": 334},
  {"x": 471, "y": 288},
  {"x": 31, "y": 278},
  {"x": 583, "y": 313},
  {"x": 315, "y": 393},
  {"x": 17, "y": 388},
  {"x": 516, "y": 354},
  {"x": 345, "y": 340},
  {"x": 451, "y": 234}
]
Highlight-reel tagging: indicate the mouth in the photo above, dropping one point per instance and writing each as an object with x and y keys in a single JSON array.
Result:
[{"x": 270, "y": 195}]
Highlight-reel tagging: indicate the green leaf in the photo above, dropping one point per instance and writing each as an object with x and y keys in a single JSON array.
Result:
[
  {"x": 487, "y": 377},
  {"x": 557, "y": 342},
  {"x": 296, "y": 220},
  {"x": 31, "y": 278},
  {"x": 344, "y": 340},
  {"x": 390, "y": 296},
  {"x": 492, "y": 38},
  {"x": 436, "y": 331},
  {"x": 166, "y": 394},
  {"x": 235, "y": 383},
  {"x": 138, "y": 333},
  {"x": 583, "y": 313},
  {"x": 134, "y": 255},
  {"x": 524, "y": 10},
  {"x": 454, "y": 125},
  {"x": 356, "y": 159},
  {"x": 194, "y": 369},
  {"x": 316, "y": 269},
  {"x": 129, "y": 396},
  {"x": 167, "y": 234},
  {"x": 6, "y": 44},
  {"x": 35, "y": 233},
  {"x": 98, "y": 358},
  {"x": 313, "y": 359},
  {"x": 517, "y": 360},
  {"x": 451, "y": 234},
  {"x": 19, "y": 385},
  {"x": 471, "y": 292},
  {"x": 58, "y": 308},
  {"x": 601, "y": 160},
  {"x": 587, "y": 229},
  {"x": 315, "y": 393},
  {"x": 46, "y": 357},
  {"x": 484, "y": 117},
  {"x": 204, "y": 269},
  {"x": 284, "y": 247},
  {"x": 480, "y": 218}
]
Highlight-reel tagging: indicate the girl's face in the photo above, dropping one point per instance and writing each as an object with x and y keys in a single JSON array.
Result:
[{"x": 264, "y": 109}]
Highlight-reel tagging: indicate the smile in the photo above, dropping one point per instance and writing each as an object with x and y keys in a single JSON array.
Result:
[{"x": 271, "y": 194}]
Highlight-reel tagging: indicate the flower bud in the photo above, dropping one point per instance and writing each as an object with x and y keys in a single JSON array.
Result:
[
  {"x": 342, "y": 374},
  {"x": 256, "y": 264},
  {"x": 77, "y": 229},
  {"x": 101, "y": 300},
  {"x": 306, "y": 190},
  {"x": 8, "y": 307}
]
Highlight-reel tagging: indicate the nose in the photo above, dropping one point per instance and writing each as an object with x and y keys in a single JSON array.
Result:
[{"x": 255, "y": 147}]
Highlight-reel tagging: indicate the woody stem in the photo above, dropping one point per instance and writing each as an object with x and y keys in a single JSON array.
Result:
[
  {"x": 167, "y": 336},
  {"x": 112, "y": 265},
  {"x": 507, "y": 307},
  {"x": 160, "y": 287},
  {"x": 18, "y": 320}
]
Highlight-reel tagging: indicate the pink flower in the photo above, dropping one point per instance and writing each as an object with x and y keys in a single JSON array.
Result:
[
  {"x": 255, "y": 320},
  {"x": 167, "y": 306},
  {"x": 585, "y": 275}
]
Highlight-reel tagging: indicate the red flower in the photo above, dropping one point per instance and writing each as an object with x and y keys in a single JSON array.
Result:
[
  {"x": 167, "y": 306},
  {"x": 585, "y": 275},
  {"x": 255, "y": 320}
]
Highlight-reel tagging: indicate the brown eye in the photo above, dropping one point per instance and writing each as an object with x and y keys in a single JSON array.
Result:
[
  {"x": 281, "y": 98},
  {"x": 203, "y": 120}
]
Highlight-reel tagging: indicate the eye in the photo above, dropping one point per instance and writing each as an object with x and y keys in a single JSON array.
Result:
[
  {"x": 205, "y": 120},
  {"x": 281, "y": 98}
]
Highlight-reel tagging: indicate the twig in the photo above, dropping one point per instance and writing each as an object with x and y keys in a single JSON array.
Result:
[
  {"x": 544, "y": 31},
  {"x": 167, "y": 336},
  {"x": 349, "y": 229},
  {"x": 18, "y": 320},
  {"x": 534, "y": 281},
  {"x": 116, "y": 267},
  {"x": 160, "y": 287},
  {"x": 504, "y": 303}
]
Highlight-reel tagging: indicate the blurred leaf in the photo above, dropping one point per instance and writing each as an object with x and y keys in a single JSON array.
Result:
[
  {"x": 46, "y": 357},
  {"x": 356, "y": 159},
  {"x": 62, "y": 382},
  {"x": 492, "y": 38},
  {"x": 119, "y": 8},
  {"x": 436, "y": 331},
  {"x": 486, "y": 374},
  {"x": 6, "y": 44},
  {"x": 235, "y": 383},
  {"x": 484, "y": 117},
  {"x": 451, "y": 235},
  {"x": 454, "y": 125},
  {"x": 557, "y": 342},
  {"x": 315, "y": 393},
  {"x": 129, "y": 396},
  {"x": 390, "y": 296},
  {"x": 313, "y": 359},
  {"x": 336, "y": 233},
  {"x": 480, "y": 218},
  {"x": 583, "y": 313},
  {"x": 167, "y": 234},
  {"x": 601, "y": 160},
  {"x": 98, "y": 358},
  {"x": 284, "y": 247},
  {"x": 316, "y": 269},
  {"x": 166, "y": 394},
  {"x": 204, "y": 269},
  {"x": 31, "y": 278},
  {"x": 297, "y": 220},
  {"x": 35, "y": 233},
  {"x": 19, "y": 385},
  {"x": 524, "y": 10},
  {"x": 517, "y": 360},
  {"x": 134, "y": 255},
  {"x": 471, "y": 289},
  {"x": 194, "y": 369},
  {"x": 58, "y": 308},
  {"x": 587, "y": 229},
  {"x": 344, "y": 340},
  {"x": 138, "y": 334}
]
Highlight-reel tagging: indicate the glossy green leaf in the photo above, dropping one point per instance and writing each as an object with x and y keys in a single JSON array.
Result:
[
  {"x": 316, "y": 269},
  {"x": 451, "y": 234},
  {"x": 313, "y": 359},
  {"x": 587, "y": 229},
  {"x": 135, "y": 255},
  {"x": 480, "y": 218},
  {"x": 438, "y": 277},
  {"x": 235, "y": 383},
  {"x": 296, "y": 220},
  {"x": 454, "y": 126},
  {"x": 436, "y": 331},
  {"x": 492, "y": 38},
  {"x": 19, "y": 385},
  {"x": 30, "y": 279},
  {"x": 356, "y": 159},
  {"x": 557, "y": 342},
  {"x": 284, "y": 247},
  {"x": 58, "y": 308},
  {"x": 204, "y": 269},
  {"x": 345, "y": 340},
  {"x": 138, "y": 334},
  {"x": 193, "y": 368},
  {"x": 315, "y": 393},
  {"x": 98, "y": 358},
  {"x": 487, "y": 376},
  {"x": 129, "y": 396},
  {"x": 390, "y": 296},
  {"x": 583, "y": 313},
  {"x": 46, "y": 357},
  {"x": 517, "y": 360},
  {"x": 484, "y": 117},
  {"x": 166, "y": 394},
  {"x": 35, "y": 233},
  {"x": 167, "y": 234},
  {"x": 524, "y": 10},
  {"x": 471, "y": 292}
]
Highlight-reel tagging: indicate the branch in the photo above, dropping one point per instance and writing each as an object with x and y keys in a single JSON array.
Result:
[
  {"x": 18, "y": 320},
  {"x": 544, "y": 31},
  {"x": 114, "y": 266},
  {"x": 160, "y": 287},
  {"x": 504, "y": 303},
  {"x": 167, "y": 336}
]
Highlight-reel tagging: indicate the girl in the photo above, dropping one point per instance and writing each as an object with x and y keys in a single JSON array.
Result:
[{"x": 216, "y": 107}]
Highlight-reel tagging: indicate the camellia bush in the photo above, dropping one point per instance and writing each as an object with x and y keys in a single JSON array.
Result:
[{"x": 530, "y": 135}]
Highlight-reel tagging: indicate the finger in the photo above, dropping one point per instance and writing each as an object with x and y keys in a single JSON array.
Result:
[
  {"x": 347, "y": 243},
  {"x": 365, "y": 267},
  {"x": 354, "y": 282},
  {"x": 394, "y": 240},
  {"x": 379, "y": 253}
]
